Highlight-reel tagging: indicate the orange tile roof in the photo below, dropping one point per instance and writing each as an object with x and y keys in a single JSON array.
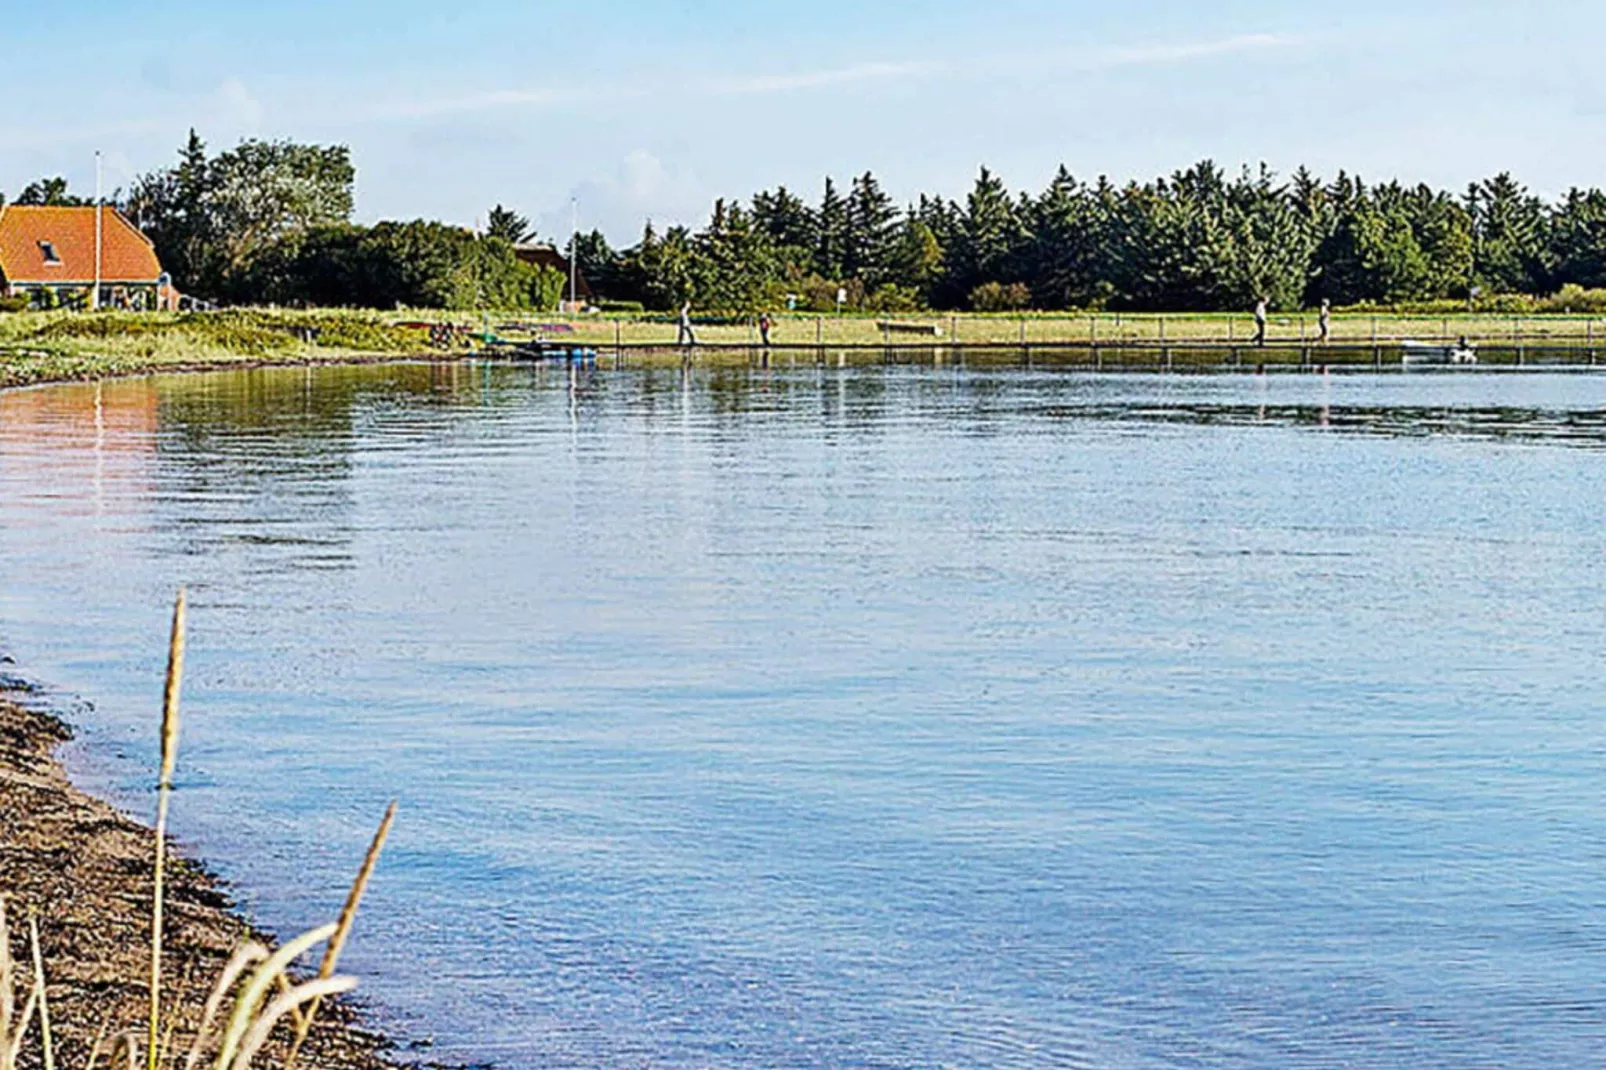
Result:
[{"x": 126, "y": 254}]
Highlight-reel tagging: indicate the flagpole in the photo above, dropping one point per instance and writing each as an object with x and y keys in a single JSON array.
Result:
[
  {"x": 574, "y": 253},
  {"x": 94, "y": 297}
]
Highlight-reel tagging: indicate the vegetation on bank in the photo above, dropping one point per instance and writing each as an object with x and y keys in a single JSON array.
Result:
[
  {"x": 270, "y": 223},
  {"x": 1198, "y": 240},
  {"x": 97, "y": 970},
  {"x": 54, "y": 346}
]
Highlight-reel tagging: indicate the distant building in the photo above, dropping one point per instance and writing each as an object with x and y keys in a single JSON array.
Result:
[
  {"x": 539, "y": 254},
  {"x": 49, "y": 254}
]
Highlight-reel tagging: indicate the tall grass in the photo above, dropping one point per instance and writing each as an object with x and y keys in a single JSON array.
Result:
[
  {"x": 164, "y": 792},
  {"x": 255, "y": 993}
]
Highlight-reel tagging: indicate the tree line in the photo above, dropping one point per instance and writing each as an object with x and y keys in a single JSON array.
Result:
[
  {"x": 1198, "y": 240},
  {"x": 270, "y": 222}
]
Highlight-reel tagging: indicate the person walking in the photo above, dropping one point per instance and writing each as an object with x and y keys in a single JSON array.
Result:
[
  {"x": 685, "y": 336},
  {"x": 764, "y": 325},
  {"x": 1261, "y": 308},
  {"x": 1325, "y": 320}
]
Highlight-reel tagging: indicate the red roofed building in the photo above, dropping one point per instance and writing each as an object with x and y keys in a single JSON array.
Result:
[{"x": 49, "y": 253}]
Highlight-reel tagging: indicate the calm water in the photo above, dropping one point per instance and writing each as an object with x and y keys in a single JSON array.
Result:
[{"x": 877, "y": 717}]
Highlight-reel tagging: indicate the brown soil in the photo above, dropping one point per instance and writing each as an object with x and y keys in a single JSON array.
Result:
[{"x": 86, "y": 869}]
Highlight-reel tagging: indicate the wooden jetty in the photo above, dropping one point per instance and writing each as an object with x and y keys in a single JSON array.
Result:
[{"x": 1144, "y": 355}]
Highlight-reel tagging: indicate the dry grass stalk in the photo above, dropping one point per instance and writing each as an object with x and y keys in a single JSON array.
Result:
[
  {"x": 128, "y": 1045},
  {"x": 289, "y": 1003},
  {"x": 248, "y": 954},
  {"x": 99, "y": 1045},
  {"x": 12, "y": 1029},
  {"x": 39, "y": 987},
  {"x": 247, "y": 1006},
  {"x": 7, "y": 996},
  {"x": 164, "y": 788},
  {"x": 337, "y": 943}
]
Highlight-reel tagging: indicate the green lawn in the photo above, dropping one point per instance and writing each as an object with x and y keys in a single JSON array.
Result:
[{"x": 50, "y": 346}]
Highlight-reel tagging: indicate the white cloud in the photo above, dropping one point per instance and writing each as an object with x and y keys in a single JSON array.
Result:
[
  {"x": 642, "y": 187},
  {"x": 780, "y": 83},
  {"x": 1181, "y": 53},
  {"x": 438, "y": 107},
  {"x": 231, "y": 107}
]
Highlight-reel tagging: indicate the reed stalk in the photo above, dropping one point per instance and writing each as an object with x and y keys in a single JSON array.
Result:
[
  {"x": 164, "y": 789},
  {"x": 39, "y": 987},
  {"x": 289, "y": 1003},
  {"x": 7, "y": 996},
  {"x": 250, "y": 1000},
  {"x": 337, "y": 942},
  {"x": 248, "y": 954}
]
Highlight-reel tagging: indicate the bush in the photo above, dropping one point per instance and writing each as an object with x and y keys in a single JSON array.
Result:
[
  {"x": 999, "y": 297},
  {"x": 1573, "y": 298},
  {"x": 891, "y": 297},
  {"x": 19, "y": 303}
]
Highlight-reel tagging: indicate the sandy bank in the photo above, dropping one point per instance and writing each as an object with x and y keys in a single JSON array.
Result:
[{"x": 86, "y": 869}]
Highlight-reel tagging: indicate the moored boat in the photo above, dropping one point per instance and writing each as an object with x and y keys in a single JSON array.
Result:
[{"x": 1439, "y": 353}]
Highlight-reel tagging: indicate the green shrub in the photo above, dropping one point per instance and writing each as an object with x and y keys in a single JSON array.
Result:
[
  {"x": 1573, "y": 298},
  {"x": 890, "y": 297},
  {"x": 999, "y": 297},
  {"x": 18, "y": 303}
]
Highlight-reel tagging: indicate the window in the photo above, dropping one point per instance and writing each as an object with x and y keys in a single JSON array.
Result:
[{"x": 49, "y": 249}]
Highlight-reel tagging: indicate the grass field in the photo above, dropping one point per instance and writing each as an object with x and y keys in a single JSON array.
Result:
[
  {"x": 53, "y": 346},
  {"x": 1104, "y": 328}
]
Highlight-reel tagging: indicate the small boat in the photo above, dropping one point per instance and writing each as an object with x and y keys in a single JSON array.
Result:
[
  {"x": 541, "y": 350},
  {"x": 1438, "y": 353}
]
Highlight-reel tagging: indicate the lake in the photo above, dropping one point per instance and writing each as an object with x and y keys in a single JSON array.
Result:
[{"x": 876, "y": 716}]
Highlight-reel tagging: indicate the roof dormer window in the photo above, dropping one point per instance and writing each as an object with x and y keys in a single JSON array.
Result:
[{"x": 49, "y": 249}]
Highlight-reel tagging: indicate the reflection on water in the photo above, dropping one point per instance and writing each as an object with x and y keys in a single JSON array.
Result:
[{"x": 869, "y": 716}]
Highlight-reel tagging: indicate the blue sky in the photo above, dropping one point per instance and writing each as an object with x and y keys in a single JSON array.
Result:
[{"x": 652, "y": 109}]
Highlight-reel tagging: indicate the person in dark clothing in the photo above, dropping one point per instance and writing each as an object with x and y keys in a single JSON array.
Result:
[{"x": 764, "y": 325}]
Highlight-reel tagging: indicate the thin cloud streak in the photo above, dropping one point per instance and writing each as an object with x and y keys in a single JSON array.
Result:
[
  {"x": 781, "y": 83},
  {"x": 804, "y": 81},
  {"x": 1150, "y": 55},
  {"x": 1181, "y": 53},
  {"x": 513, "y": 99}
]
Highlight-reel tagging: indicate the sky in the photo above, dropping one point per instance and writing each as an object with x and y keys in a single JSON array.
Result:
[{"x": 638, "y": 110}]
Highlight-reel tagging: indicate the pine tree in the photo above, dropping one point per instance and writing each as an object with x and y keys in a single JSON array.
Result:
[
  {"x": 830, "y": 257},
  {"x": 872, "y": 231}
]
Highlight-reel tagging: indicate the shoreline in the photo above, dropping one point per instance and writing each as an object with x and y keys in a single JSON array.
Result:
[{"x": 86, "y": 868}]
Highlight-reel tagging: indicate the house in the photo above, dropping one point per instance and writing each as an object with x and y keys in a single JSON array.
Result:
[
  {"x": 538, "y": 254},
  {"x": 49, "y": 254}
]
